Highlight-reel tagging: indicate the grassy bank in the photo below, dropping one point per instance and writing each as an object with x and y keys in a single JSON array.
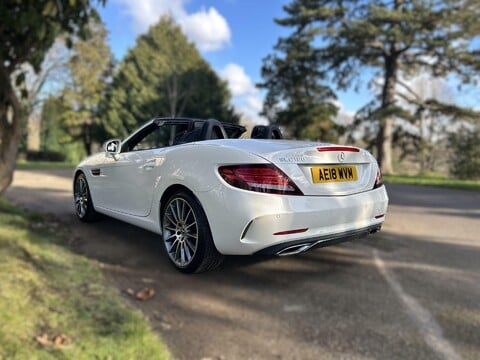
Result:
[
  {"x": 434, "y": 181},
  {"x": 49, "y": 294},
  {"x": 43, "y": 165}
]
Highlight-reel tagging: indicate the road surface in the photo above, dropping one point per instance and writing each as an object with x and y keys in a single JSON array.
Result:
[{"x": 410, "y": 292}]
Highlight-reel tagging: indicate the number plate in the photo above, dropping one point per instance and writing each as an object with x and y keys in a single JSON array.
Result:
[{"x": 325, "y": 174}]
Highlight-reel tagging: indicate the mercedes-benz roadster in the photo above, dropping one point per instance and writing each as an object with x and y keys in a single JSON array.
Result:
[{"x": 208, "y": 193}]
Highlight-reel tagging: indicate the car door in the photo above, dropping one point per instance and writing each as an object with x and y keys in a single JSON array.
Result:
[
  {"x": 131, "y": 182},
  {"x": 129, "y": 178}
]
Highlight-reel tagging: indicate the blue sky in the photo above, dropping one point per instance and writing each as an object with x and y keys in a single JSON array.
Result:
[
  {"x": 252, "y": 29},
  {"x": 233, "y": 35}
]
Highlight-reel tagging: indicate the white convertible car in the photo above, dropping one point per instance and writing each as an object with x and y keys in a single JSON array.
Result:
[{"x": 208, "y": 193}]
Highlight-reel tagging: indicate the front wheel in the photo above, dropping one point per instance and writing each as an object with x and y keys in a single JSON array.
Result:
[
  {"x": 186, "y": 235},
  {"x": 83, "y": 200}
]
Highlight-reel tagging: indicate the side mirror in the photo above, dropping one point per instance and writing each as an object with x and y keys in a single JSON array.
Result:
[{"x": 112, "y": 147}]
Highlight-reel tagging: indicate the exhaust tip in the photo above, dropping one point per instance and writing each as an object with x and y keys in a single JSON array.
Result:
[
  {"x": 295, "y": 249},
  {"x": 375, "y": 230}
]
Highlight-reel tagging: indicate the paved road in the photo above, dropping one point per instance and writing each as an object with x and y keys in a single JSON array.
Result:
[{"x": 409, "y": 292}]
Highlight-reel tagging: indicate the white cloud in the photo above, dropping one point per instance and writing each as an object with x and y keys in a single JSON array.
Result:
[
  {"x": 147, "y": 12},
  {"x": 246, "y": 97},
  {"x": 344, "y": 116},
  {"x": 208, "y": 29},
  {"x": 254, "y": 103},
  {"x": 239, "y": 82},
  {"x": 250, "y": 107}
]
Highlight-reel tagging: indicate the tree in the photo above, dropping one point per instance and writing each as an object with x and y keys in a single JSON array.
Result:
[
  {"x": 89, "y": 66},
  {"x": 296, "y": 98},
  {"x": 27, "y": 30},
  {"x": 54, "y": 140},
  {"x": 51, "y": 78},
  {"x": 163, "y": 75},
  {"x": 51, "y": 132},
  {"x": 391, "y": 38},
  {"x": 465, "y": 159},
  {"x": 425, "y": 136}
]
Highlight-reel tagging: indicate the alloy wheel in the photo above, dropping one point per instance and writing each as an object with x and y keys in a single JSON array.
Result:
[
  {"x": 81, "y": 196},
  {"x": 180, "y": 231}
]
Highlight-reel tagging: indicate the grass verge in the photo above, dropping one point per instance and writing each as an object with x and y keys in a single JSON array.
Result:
[
  {"x": 47, "y": 289},
  {"x": 43, "y": 165},
  {"x": 433, "y": 181}
]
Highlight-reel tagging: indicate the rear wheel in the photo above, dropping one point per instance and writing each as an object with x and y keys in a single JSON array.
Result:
[
  {"x": 186, "y": 235},
  {"x": 83, "y": 200}
]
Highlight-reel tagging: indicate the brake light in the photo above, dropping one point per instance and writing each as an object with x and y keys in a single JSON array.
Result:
[
  {"x": 265, "y": 178},
  {"x": 338, "y": 148},
  {"x": 378, "y": 180}
]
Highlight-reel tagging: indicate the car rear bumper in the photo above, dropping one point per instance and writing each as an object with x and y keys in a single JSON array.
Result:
[
  {"x": 244, "y": 222},
  {"x": 299, "y": 246}
]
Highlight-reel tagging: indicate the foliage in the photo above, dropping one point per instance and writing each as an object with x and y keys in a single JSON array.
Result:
[
  {"x": 465, "y": 160},
  {"x": 438, "y": 181},
  {"x": 51, "y": 78},
  {"x": 390, "y": 40},
  {"x": 27, "y": 30},
  {"x": 47, "y": 289},
  {"x": 296, "y": 98},
  {"x": 90, "y": 66},
  {"x": 54, "y": 156},
  {"x": 53, "y": 136},
  {"x": 51, "y": 131},
  {"x": 421, "y": 143},
  {"x": 163, "y": 75}
]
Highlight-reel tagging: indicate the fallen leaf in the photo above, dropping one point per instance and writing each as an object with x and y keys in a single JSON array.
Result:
[
  {"x": 165, "y": 325},
  {"x": 43, "y": 340},
  {"x": 61, "y": 340},
  {"x": 145, "y": 294},
  {"x": 130, "y": 292}
]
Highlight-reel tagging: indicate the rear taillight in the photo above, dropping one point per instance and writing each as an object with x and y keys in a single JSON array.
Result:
[
  {"x": 378, "y": 180},
  {"x": 265, "y": 178}
]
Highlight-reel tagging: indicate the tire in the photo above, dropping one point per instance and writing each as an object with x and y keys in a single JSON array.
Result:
[
  {"x": 83, "y": 200},
  {"x": 186, "y": 235}
]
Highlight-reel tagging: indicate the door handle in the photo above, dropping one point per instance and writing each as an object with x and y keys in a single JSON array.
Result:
[{"x": 149, "y": 165}]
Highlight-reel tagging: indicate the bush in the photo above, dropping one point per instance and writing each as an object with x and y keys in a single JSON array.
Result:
[
  {"x": 465, "y": 158},
  {"x": 54, "y": 156}
]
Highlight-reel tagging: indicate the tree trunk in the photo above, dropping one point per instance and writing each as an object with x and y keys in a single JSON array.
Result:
[
  {"x": 384, "y": 138},
  {"x": 384, "y": 146},
  {"x": 172, "y": 90},
  {"x": 87, "y": 139},
  {"x": 10, "y": 130},
  {"x": 422, "y": 143}
]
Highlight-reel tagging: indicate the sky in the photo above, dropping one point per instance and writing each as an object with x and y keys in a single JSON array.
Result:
[{"x": 232, "y": 35}]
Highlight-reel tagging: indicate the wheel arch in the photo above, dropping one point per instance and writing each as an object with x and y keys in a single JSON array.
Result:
[
  {"x": 174, "y": 188},
  {"x": 76, "y": 174},
  {"x": 209, "y": 258}
]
